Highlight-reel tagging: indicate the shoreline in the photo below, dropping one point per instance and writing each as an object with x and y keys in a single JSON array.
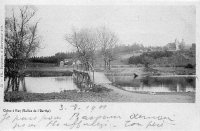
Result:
[
  {"x": 47, "y": 73},
  {"x": 174, "y": 76},
  {"x": 109, "y": 93}
]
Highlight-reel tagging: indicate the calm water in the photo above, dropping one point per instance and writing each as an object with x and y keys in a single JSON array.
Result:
[
  {"x": 48, "y": 84},
  {"x": 152, "y": 84},
  {"x": 156, "y": 84}
]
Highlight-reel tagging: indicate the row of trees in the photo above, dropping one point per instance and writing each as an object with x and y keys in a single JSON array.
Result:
[
  {"x": 52, "y": 59},
  {"x": 46, "y": 59},
  {"x": 129, "y": 48},
  {"x": 88, "y": 41},
  {"x": 70, "y": 55}
]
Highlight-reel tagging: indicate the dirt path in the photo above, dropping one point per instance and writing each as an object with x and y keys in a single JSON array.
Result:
[
  {"x": 187, "y": 97},
  {"x": 99, "y": 78},
  {"x": 116, "y": 95}
]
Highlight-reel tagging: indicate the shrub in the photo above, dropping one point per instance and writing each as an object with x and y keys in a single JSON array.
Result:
[
  {"x": 148, "y": 57},
  {"x": 189, "y": 66}
]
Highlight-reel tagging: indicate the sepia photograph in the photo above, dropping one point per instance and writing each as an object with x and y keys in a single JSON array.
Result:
[{"x": 100, "y": 53}]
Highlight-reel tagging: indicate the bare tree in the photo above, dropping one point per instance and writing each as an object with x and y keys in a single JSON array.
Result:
[
  {"x": 107, "y": 40},
  {"x": 85, "y": 43},
  {"x": 21, "y": 41}
]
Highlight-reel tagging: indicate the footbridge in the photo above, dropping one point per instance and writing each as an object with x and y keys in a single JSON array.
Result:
[{"x": 89, "y": 78}]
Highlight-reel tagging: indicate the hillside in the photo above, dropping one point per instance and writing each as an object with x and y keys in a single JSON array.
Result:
[
  {"x": 167, "y": 58},
  {"x": 120, "y": 58}
]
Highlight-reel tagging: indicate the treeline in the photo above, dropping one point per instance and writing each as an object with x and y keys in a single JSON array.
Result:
[
  {"x": 165, "y": 58},
  {"x": 52, "y": 59},
  {"x": 47, "y": 59},
  {"x": 129, "y": 48},
  {"x": 148, "y": 57},
  {"x": 158, "y": 54},
  {"x": 61, "y": 56}
]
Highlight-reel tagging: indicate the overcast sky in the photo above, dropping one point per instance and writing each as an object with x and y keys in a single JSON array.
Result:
[{"x": 149, "y": 25}]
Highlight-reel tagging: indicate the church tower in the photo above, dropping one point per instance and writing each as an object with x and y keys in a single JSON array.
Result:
[
  {"x": 182, "y": 44},
  {"x": 177, "y": 44}
]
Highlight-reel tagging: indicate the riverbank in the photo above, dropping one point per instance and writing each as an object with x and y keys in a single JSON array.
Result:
[
  {"x": 140, "y": 72},
  {"x": 48, "y": 71},
  {"x": 107, "y": 94},
  {"x": 119, "y": 71}
]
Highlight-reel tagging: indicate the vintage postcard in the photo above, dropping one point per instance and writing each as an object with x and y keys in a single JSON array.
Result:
[{"x": 91, "y": 65}]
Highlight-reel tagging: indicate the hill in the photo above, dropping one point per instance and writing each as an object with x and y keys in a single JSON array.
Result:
[{"x": 165, "y": 58}]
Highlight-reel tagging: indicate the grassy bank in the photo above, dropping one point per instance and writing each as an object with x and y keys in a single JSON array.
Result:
[
  {"x": 175, "y": 71},
  {"x": 110, "y": 95},
  {"x": 48, "y": 71},
  {"x": 142, "y": 71},
  {"x": 68, "y": 95}
]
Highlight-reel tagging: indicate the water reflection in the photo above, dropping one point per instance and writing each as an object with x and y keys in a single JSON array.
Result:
[
  {"x": 157, "y": 84},
  {"x": 47, "y": 84}
]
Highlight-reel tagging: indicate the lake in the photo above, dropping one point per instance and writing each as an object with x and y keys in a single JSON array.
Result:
[
  {"x": 128, "y": 83},
  {"x": 47, "y": 84},
  {"x": 156, "y": 84}
]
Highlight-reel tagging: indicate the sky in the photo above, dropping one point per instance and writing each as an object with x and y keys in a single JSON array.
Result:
[{"x": 149, "y": 25}]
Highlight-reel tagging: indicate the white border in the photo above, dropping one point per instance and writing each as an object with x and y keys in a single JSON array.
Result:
[{"x": 188, "y": 115}]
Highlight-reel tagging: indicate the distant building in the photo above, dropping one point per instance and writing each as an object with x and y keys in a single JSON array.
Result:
[
  {"x": 193, "y": 48},
  {"x": 182, "y": 45},
  {"x": 61, "y": 63},
  {"x": 171, "y": 47},
  {"x": 176, "y": 45},
  {"x": 77, "y": 62},
  {"x": 68, "y": 61}
]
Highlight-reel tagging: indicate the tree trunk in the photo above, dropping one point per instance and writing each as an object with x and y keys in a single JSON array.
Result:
[
  {"x": 8, "y": 85},
  {"x": 109, "y": 64},
  {"x": 13, "y": 84},
  {"x": 93, "y": 63},
  {"x": 104, "y": 64},
  {"x": 23, "y": 84},
  {"x": 18, "y": 82}
]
